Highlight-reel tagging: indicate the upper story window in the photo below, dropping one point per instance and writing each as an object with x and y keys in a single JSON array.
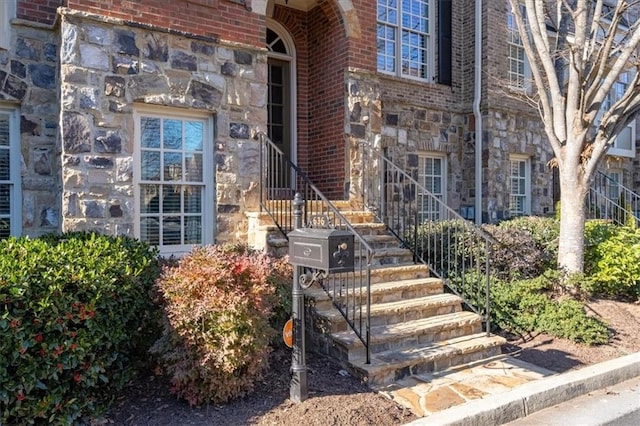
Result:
[
  {"x": 624, "y": 145},
  {"x": 520, "y": 186},
  {"x": 519, "y": 70},
  {"x": 174, "y": 176},
  {"x": 7, "y": 13},
  {"x": 404, "y": 38},
  {"x": 10, "y": 188}
]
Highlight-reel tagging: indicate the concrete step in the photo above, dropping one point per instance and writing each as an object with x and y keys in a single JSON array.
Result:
[
  {"x": 395, "y": 312},
  {"x": 389, "y": 366},
  {"x": 409, "y": 333}
]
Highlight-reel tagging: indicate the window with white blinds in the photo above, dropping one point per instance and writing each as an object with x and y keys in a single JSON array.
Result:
[
  {"x": 175, "y": 180},
  {"x": 10, "y": 205}
]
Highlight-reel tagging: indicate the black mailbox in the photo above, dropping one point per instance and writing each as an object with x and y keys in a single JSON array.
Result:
[{"x": 328, "y": 249}]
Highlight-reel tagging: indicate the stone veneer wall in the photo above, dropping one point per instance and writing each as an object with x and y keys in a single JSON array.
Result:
[
  {"x": 106, "y": 67},
  {"x": 363, "y": 123},
  {"x": 406, "y": 130},
  {"x": 403, "y": 131},
  {"x": 28, "y": 81},
  {"x": 508, "y": 133}
]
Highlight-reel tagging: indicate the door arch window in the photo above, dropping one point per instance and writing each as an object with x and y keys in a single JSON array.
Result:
[{"x": 281, "y": 122}]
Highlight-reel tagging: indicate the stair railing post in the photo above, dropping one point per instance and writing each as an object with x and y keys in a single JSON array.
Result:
[
  {"x": 298, "y": 390},
  {"x": 487, "y": 295}
]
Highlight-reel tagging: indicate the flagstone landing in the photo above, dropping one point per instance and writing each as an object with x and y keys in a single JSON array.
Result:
[{"x": 426, "y": 394}]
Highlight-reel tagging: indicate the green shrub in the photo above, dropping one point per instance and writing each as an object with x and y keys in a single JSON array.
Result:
[
  {"x": 516, "y": 305},
  {"x": 218, "y": 302},
  {"x": 525, "y": 246},
  {"x": 566, "y": 318},
  {"x": 612, "y": 260},
  {"x": 444, "y": 245},
  {"x": 623, "y": 212},
  {"x": 524, "y": 307},
  {"x": 75, "y": 310}
]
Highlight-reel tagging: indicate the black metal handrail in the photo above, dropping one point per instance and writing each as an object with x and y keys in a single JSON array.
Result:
[
  {"x": 454, "y": 249},
  {"x": 609, "y": 199},
  {"x": 280, "y": 180}
]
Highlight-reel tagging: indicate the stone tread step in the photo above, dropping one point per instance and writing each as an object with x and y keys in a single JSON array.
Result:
[
  {"x": 381, "y": 239},
  {"x": 382, "y": 287},
  {"x": 388, "y": 333},
  {"x": 357, "y": 215},
  {"x": 357, "y": 226},
  {"x": 399, "y": 306},
  {"x": 394, "y": 272},
  {"x": 406, "y": 357},
  {"x": 341, "y": 204},
  {"x": 372, "y": 240},
  {"x": 387, "y": 251}
]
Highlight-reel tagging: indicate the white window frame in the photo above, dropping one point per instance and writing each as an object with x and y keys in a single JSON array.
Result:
[
  {"x": 517, "y": 81},
  {"x": 208, "y": 201},
  {"x": 433, "y": 209},
  {"x": 614, "y": 184},
  {"x": 617, "y": 91},
  {"x": 630, "y": 152},
  {"x": 525, "y": 179},
  {"x": 7, "y": 13},
  {"x": 15, "y": 192},
  {"x": 397, "y": 29}
]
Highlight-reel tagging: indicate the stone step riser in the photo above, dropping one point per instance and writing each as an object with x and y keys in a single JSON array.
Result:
[
  {"x": 365, "y": 230},
  {"x": 353, "y": 218},
  {"x": 391, "y": 260},
  {"x": 395, "y": 294},
  {"x": 407, "y": 341},
  {"x": 395, "y": 373},
  {"x": 285, "y": 204},
  {"x": 324, "y": 324},
  {"x": 357, "y": 352},
  {"x": 391, "y": 243},
  {"x": 389, "y": 274}
]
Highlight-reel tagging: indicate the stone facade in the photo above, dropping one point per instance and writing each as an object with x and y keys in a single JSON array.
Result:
[
  {"x": 79, "y": 74},
  {"x": 108, "y": 68},
  {"x": 507, "y": 134},
  {"x": 28, "y": 81}
]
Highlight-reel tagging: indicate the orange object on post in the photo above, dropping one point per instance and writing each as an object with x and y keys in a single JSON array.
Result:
[{"x": 287, "y": 333}]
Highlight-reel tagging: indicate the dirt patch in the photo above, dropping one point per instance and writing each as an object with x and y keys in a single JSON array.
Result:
[
  {"x": 336, "y": 398},
  {"x": 562, "y": 355}
]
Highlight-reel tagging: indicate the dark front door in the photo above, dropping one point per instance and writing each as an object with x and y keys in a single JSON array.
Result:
[{"x": 279, "y": 122}]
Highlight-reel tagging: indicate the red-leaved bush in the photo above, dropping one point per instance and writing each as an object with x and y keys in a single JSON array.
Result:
[{"x": 218, "y": 302}]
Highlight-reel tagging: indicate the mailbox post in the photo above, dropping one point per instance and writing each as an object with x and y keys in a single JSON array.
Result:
[
  {"x": 327, "y": 250},
  {"x": 299, "y": 390}
]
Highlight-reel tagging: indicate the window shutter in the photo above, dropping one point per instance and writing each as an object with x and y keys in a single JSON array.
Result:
[{"x": 444, "y": 41}]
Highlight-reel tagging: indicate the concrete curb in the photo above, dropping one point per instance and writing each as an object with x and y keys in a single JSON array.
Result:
[{"x": 535, "y": 396}]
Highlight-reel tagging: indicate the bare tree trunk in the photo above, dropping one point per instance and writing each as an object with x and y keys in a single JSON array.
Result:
[{"x": 573, "y": 191}]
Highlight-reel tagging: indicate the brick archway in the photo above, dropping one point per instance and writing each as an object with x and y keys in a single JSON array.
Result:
[{"x": 346, "y": 10}]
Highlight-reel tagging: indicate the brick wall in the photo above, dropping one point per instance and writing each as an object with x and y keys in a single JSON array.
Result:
[
  {"x": 328, "y": 59},
  {"x": 42, "y": 11},
  {"x": 230, "y": 21},
  {"x": 362, "y": 49}
]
